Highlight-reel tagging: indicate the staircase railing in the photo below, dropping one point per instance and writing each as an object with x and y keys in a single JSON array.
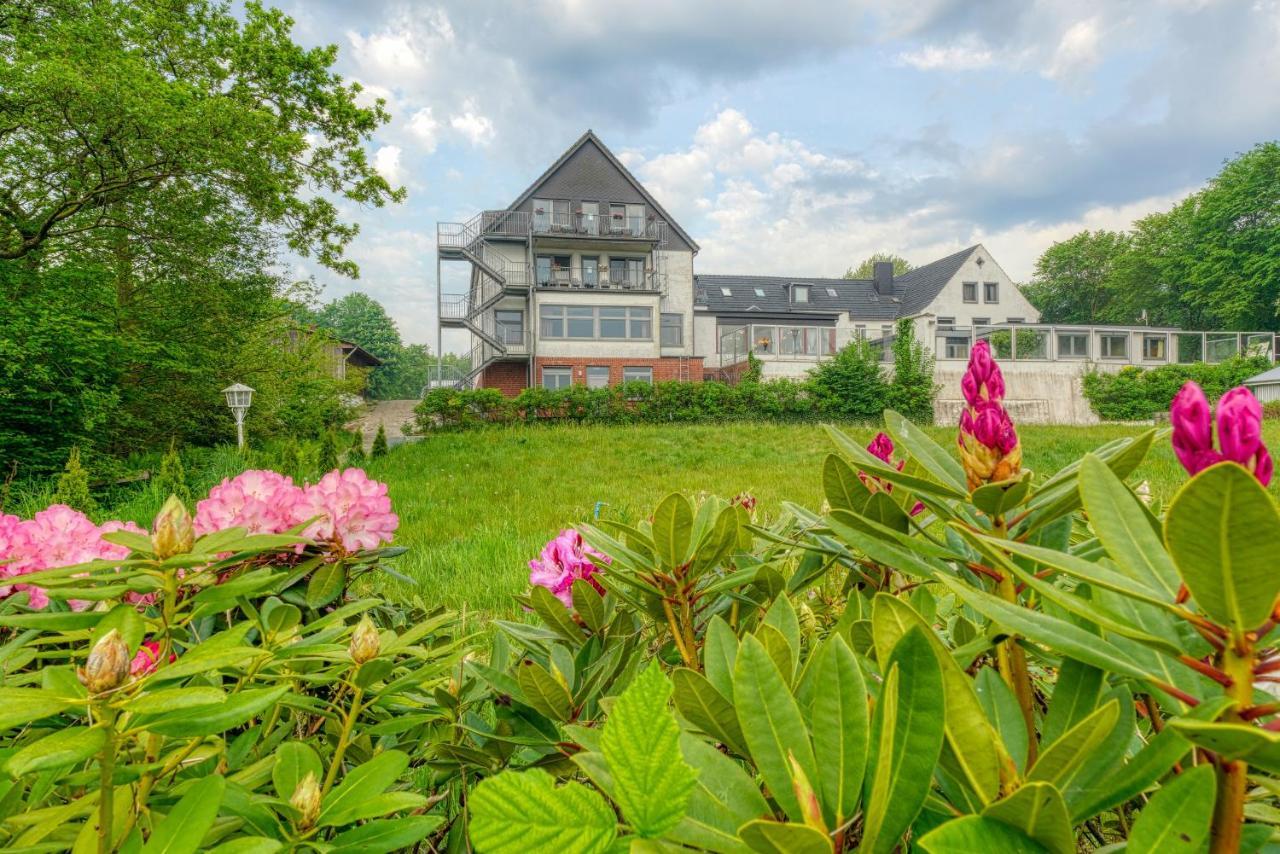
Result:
[{"x": 484, "y": 354}]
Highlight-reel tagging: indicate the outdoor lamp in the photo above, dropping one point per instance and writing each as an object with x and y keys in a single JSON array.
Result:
[{"x": 239, "y": 397}]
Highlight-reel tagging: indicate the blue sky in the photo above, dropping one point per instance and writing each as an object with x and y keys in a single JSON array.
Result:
[{"x": 799, "y": 137}]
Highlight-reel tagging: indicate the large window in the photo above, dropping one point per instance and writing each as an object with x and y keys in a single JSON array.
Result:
[
  {"x": 541, "y": 214},
  {"x": 672, "y": 330},
  {"x": 591, "y": 217},
  {"x": 957, "y": 346},
  {"x": 587, "y": 322},
  {"x": 590, "y": 270},
  {"x": 637, "y": 375},
  {"x": 991, "y": 292},
  {"x": 970, "y": 291},
  {"x": 597, "y": 376},
  {"x": 1155, "y": 348},
  {"x": 510, "y": 326},
  {"x": 557, "y": 377},
  {"x": 1073, "y": 345},
  {"x": 1113, "y": 345}
]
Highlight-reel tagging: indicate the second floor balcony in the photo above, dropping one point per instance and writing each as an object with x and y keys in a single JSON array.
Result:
[
  {"x": 616, "y": 225},
  {"x": 615, "y": 277}
]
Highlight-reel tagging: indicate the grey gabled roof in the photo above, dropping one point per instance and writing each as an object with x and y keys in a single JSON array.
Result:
[
  {"x": 590, "y": 136},
  {"x": 855, "y": 296},
  {"x": 1265, "y": 378},
  {"x": 922, "y": 285}
]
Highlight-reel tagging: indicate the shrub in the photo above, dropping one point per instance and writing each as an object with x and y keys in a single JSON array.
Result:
[
  {"x": 851, "y": 384},
  {"x": 355, "y": 454},
  {"x": 913, "y": 389},
  {"x": 327, "y": 453},
  {"x": 73, "y": 485},
  {"x": 379, "y": 448},
  {"x": 172, "y": 476},
  {"x": 1135, "y": 394},
  {"x": 226, "y": 689}
]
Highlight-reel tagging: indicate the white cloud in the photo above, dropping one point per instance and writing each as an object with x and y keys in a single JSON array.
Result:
[
  {"x": 955, "y": 57},
  {"x": 387, "y": 161},
  {"x": 1078, "y": 51},
  {"x": 424, "y": 128},
  {"x": 476, "y": 128}
]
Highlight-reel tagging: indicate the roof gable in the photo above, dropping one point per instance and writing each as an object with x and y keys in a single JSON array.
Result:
[{"x": 588, "y": 170}]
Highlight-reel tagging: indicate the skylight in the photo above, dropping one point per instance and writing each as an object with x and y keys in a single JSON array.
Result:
[
  {"x": 726, "y": 292},
  {"x": 759, "y": 292},
  {"x": 831, "y": 292}
]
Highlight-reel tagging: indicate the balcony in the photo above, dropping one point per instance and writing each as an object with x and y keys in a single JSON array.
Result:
[
  {"x": 1133, "y": 345},
  {"x": 573, "y": 279},
  {"x": 613, "y": 227}
]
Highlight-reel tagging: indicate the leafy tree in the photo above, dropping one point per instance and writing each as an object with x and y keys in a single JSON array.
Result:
[
  {"x": 1073, "y": 278},
  {"x": 851, "y": 384},
  {"x": 362, "y": 320},
  {"x": 867, "y": 268},
  {"x": 73, "y": 486},
  {"x": 108, "y": 106}
]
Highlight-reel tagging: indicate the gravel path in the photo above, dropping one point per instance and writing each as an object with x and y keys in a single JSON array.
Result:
[{"x": 393, "y": 415}]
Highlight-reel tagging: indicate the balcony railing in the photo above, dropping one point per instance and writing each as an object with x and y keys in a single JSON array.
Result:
[
  {"x": 602, "y": 281},
  {"x": 1134, "y": 345},
  {"x": 605, "y": 226}
]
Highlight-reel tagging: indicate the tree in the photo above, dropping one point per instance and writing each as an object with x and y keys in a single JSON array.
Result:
[
  {"x": 73, "y": 486},
  {"x": 105, "y": 105},
  {"x": 1073, "y": 278},
  {"x": 913, "y": 389},
  {"x": 867, "y": 268},
  {"x": 851, "y": 383}
]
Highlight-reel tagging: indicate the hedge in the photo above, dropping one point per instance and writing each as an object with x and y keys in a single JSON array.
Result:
[{"x": 1136, "y": 394}]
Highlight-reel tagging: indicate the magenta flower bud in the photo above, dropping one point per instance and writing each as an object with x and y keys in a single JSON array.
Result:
[
  {"x": 1193, "y": 429},
  {"x": 882, "y": 447},
  {"x": 983, "y": 380},
  {"x": 1240, "y": 432}
]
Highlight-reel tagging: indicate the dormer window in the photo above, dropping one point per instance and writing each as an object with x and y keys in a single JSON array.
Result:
[
  {"x": 800, "y": 293},
  {"x": 726, "y": 292}
]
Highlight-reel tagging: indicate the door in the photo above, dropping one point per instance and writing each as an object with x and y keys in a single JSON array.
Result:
[{"x": 510, "y": 326}]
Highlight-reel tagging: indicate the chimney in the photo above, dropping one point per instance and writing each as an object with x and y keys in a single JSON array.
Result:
[{"x": 883, "y": 278}]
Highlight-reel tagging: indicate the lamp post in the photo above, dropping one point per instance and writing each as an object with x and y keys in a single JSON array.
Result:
[{"x": 239, "y": 397}]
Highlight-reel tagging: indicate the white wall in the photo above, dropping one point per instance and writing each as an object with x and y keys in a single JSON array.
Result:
[
  {"x": 1011, "y": 303},
  {"x": 1035, "y": 392},
  {"x": 610, "y": 349},
  {"x": 678, "y": 267}
]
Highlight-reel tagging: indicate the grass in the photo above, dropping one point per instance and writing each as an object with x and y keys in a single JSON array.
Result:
[{"x": 475, "y": 507}]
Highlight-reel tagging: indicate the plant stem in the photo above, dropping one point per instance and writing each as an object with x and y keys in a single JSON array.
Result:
[
  {"x": 106, "y": 787},
  {"x": 677, "y": 637},
  {"x": 1228, "y": 812},
  {"x": 1012, "y": 660},
  {"x": 357, "y": 694}
]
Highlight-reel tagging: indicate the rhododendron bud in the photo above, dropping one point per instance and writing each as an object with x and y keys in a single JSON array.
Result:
[
  {"x": 147, "y": 659},
  {"x": 306, "y": 800},
  {"x": 108, "y": 664},
  {"x": 881, "y": 447},
  {"x": 982, "y": 380},
  {"x": 1239, "y": 431},
  {"x": 173, "y": 532},
  {"x": 563, "y": 561},
  {"x": 989, "y": 448},
  {"x": 365, "y": 643}
]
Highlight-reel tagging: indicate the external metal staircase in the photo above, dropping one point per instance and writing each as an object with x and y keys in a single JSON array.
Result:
[{"x": 493, "y": 276}]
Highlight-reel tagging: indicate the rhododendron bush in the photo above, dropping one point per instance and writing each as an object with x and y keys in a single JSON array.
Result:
[
  {"x": 214, "y": 682},
  {"x": 954, "y": 654}
]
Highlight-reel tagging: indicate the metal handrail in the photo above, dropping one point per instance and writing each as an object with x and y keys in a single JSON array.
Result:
[
  {"x": 578, "y": 224},
  {"x": 571, "y": 278},
  {"x": 1041, "y": 342}
]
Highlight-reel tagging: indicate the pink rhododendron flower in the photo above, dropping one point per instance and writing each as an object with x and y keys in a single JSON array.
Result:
[
  {"x": 1239, "y": 431},
  {"x": 147, "y": 659},
  {"x": 989, "y": 448},
  {"x": 354, "y": 510},
  {"x": 57, "y": 536},
  {"x": 13, "y": 544},
  {"x": 881, "y": 447},
  {"x": 260, "y": 501},
  {"x": 563, "y": 561}
]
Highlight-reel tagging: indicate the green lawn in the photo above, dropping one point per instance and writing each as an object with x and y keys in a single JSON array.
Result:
[{"x": 475, "y": 507}]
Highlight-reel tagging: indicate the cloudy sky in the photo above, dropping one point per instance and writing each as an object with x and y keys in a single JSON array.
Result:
[{"x": 797, "y": 137}]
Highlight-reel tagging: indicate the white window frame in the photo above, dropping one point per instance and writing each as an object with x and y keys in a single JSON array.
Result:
[
  {"x": 594, "y": 381},
  {"x": 645, "y": 372},
  {"x": 987, "y": 289},
  {"x": 1073, "y": 336},
  {"x": 561, "y": 372},
  {"x": 669, "y": 321},
  {"x": 1104, "y": 348},
  {"x": 637, "y": 320},
  {"x": 796, "y": 291},
  {"x": 964, "y": 293}
]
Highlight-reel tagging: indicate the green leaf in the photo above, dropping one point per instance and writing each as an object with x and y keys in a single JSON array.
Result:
[
  {"x": 325, "y": 584},
  {"x": 718, "y": 654},
  {"x": 517, "y": 812},
  {"x": 375, "y": 806},
  {"x": 360, "y": 784},
  {"x": 997, "y": 499},
  {"x": 707, "y": 709},
  {"x": 906, "y": 741},
  {"x": 1124, "y": 528},
  {"x": 771, "y": 723},
  {"x": 172, "y": 699},
  {"x": 60, "y": 750},
  {"x": 1075, "y": 695},
  {"x": 1222, "y": 528},
  {"x": 974, "y": 833},
  {"x": 1001, "y": 707},
  {"x": 1231, "y": 741},
  {"x": 1149, "y": 764},
  {"x": 840, "y": 730},
  {"x": 1057, "y": 764},
  {"x": 65, "y": 621},
  {"x": 555, "y": 615},
  {"x": 774, "y": 837},
  {"x": 673, "y": 529},
  {"x": 841, "y": 485},
  {"x": 875, "y": 467},
  {"x": 215, "y": 717},
  {"x": 205, "y": 659},
  {"x": 724, "y": 799},
  {"x": 543, "y": 691},
  {"x": 294, "y": 761},
  {"x": 931, "y": 456},
  {"x": 249, "y": 845},
  {"x": 125, "y": 619},
  {"x": 780, "y": 650},
  {"x": 641, "y": 744},
  {"x": 384, "y": 835},
  {"x": 1178, "y": 816},
  {"x": 1038, "y": 811},
  {"x": 589, "y": 603},
  {"x": 184, "y": 828},
  {"x": 782, "y": 616},
  {"x": 28, "y": 705}
]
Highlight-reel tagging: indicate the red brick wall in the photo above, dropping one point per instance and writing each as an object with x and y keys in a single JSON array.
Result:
[
  {"x": 509, "y": 377},
  {"x": 663, "y": 369}
]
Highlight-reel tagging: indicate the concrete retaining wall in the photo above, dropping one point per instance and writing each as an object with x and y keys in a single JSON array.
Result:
[{"x": 1036, "y": 392}]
